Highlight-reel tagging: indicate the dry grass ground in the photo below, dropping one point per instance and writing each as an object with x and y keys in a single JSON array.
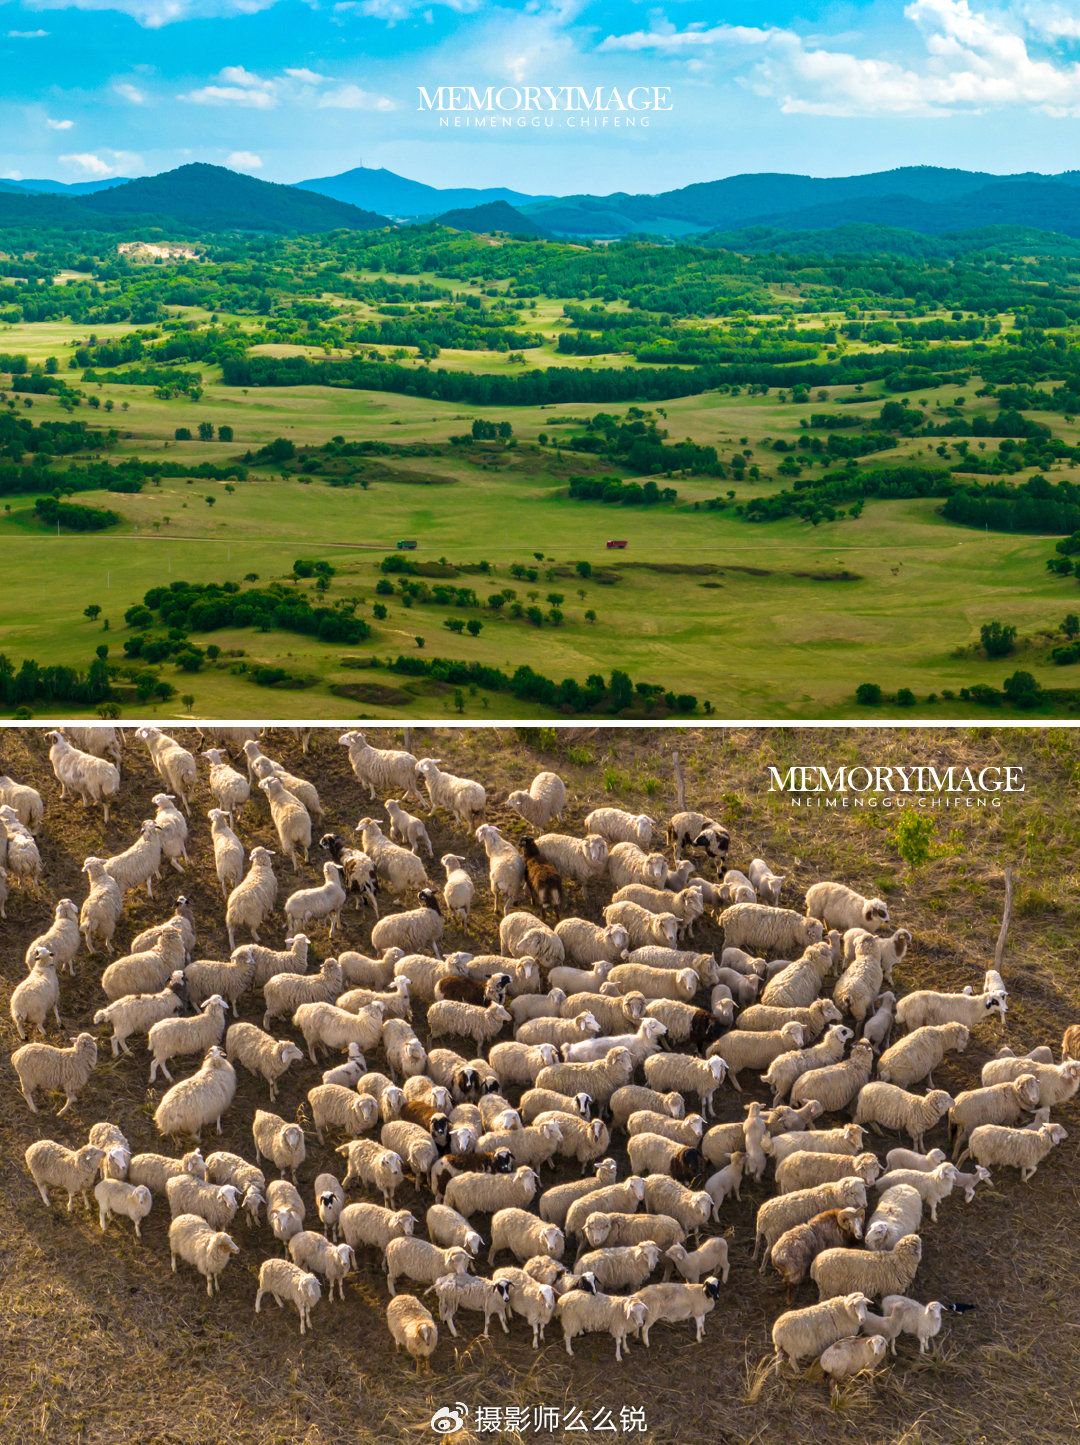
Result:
[{"x": 99, "y": 1342}]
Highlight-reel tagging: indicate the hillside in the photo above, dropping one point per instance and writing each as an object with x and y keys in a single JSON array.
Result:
[
  {"x": 393, "y": 195},
  {"x": 494, "y": 216}
]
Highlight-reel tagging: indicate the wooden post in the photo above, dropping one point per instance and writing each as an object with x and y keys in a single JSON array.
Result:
[
  {"x": 1003, "y": 931},
  {"x": 408, "y": 740},
  {"x": 680, "y": 782}
]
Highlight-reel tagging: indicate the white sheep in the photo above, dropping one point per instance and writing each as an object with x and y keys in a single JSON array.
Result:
[
  {"x": 412, "y": 1326},
  {"x": 933, "y": 1185},
  {"x": 285, "y": 1210},
  {"x": 613, "y": 1228},
  {"x": 414, "y": 1143},
  {"x": 548, "y": 1029},
  {"x": 292, "y": 821},
  {"x": 216, "y": 1203},
  {"x": 700, "y": 832},
  {"x": 524, "y": 1236},
  {"x": 686, "y": 1075},
  {"x": 55, "y": 1070},
  {"x": 582, "y": 860},
  {"x": 138, "y": 865},
  {"x": 897, "y": 1213},
  {"x": 286, "y": 992},
  {"x": 102, "y": 907},
  {"x": 174, "y": 1037},
  {"x": 1058, "y": 1083},
  {"x": 231, "y": 978},
  {"x": 787, "y": 1067},
  {"x": 878, "y": 1027},
  {"x": 640, "y": 1045},
  {"x": 112, "y": 1139},
  {"x": 181, "y": 917},
  {"x": 26, "y": 802},
  {"x": 116, "y": 1196},
  {"x": 223, "y": 1167},
  {"x": 458, "y": 890},
  {"x": 533, "y": 1144},
  {"x": 779, "y": 932},
  {"x": 543, "y": 803},
  {"x": 1004, "y": 1103},
  {"x": 523, "y": 935},
  {"x": 475, "y": 1193},
  {"x": 1023, "y": 1149},
  {"x": 673, "y": 1303},
  {"x": 143, "y": 972},
  {"x": 399, "y": 868},
  {"x": 200, "y": 1100},
  {"x": 889, "y": 951},
  {"x": 680, "y": 983},
  {"x": 691, "y": 1209},
  {"x": 172, "y": 825},
  {"x": 520, "y": 1060},
  {"x": 252, "y": 900},
  {"x": 839, "y": 906},
  {"x": 629, "y": 864},
  {"x": 207, "y": 1250},
  {"x": 463, "y": 797},
  {"x": 173, "y": 764},
  {"x": 768, "y": 884},
  {"x": 745, "y": 1049},
  {"x": 228, "y": 851},
  {"x": 555, "y": 1202},
  {"x": 580, "y": 980},
  {"x": 623, "y": 1266},
  {"x": 335, "y": 1262},
  {"x": 380, "y": 769},
  {"x": 872, "y": 1272},
  {"x": 529, "y": 1298},
  {"x": 598, "y": 1079},
  {"x": 781, "y": 1213},
  {"x": 909, "y": 1317},
  {"x": 804, "y": 1334},
  {"x": 467, "y": 1021},
  {"x": 283, "y": 1280},
  {"x": 405, "y": 1054},
  {"x": 256, "y": 1051},
  {"x": 329, "y": 1203},
  {"x": 407, "y": 829},
  {"x": 279, "y": 1141},
  {"x": 835, "y": 1085},
  {"x": 23, "y": 859},
  {"x": 806, "y": 1169},
  {"x": 884, "y": 1105},
  {"x": 335, "y": 1106},
  {"x": 231, "y": 789},
  {"x": 585, "y": 943},
  {"x": 261, "y": 767},
  {"x": 155, "y": 1170},
  {"x": 37, "y": 995},
  {"x": 61, "y": 938},
  {"x": 918, "y": 1054},
  {"x": 267, "y": 962},
  {"x": 615, "y": 825},
  {"x": 846, "y": 1139},
  {"x": 642, "y": 925},
  {"x": 798, "y": 983},
  {"x": 924, "y": 1006},
  {"x": 581, "y": 1313},
  {"x": 445, "y": 1226},
  {"x": 466, "y": 1291},
  {"x": 92, "y": 780},
  {"x": 52, "y": 1166}
]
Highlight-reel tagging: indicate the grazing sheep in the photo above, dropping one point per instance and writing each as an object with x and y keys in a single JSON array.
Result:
[
  {"x": 380, "y": 769},
  {"x": 582, "y": 860},
  {"x": 807, "y": 1168},
  {"x": 468, "y": 1292},
  {"x": 555, "y": 1202},
  {"x": 395, "y": 1001},
  {"x": 325, "y": 1026},
  {"x": 543, "y": 803},
  {"x": 172, "y": 825},
  {"x": 174, "y": 1037},
  {"x": 776, "y": 1216},
  {"x": 462, "y": 797},
  {"x": 873, "y": 1273},
  {"x": 334, "y": 1106},
  {"x": 252, "y": 900},
  {"x": 673, "y": 1303},
  {"x": 445, "y": 1226},
  {"x": 1058, "y": 1083},
  {"x": 424, "y": 1263},
  {"x": 200, "y": 1100},
  {"x": 216, "y": 1203},
  {"x": 640, "y": 1045},
  {"x": 1004, "y": 1103},
  {"x": 407, "y": 829},
  {"x": 1023, "y": 1149},
  {"x": 286, "y": 992},
  {"x": 415, "y": 1145},
  {"x": 477, "y": 1193},
  {"x": 839, "y": 906},
  {"x": 279, "y": 1141},
  {"x": 803, "y": 1334},
  {"x": 52, "y": 1166},
  {"x": 116, "y": 1196},
  {"x": 412, "y": 1327},
  {"x": 37, "y": 995},
  {"x": 283, "y": 1280},
  {"x": 207, "y": 1250},
  {"x": 458, "y": 890},
  {"x": 405, "y": 1054},
  {"x": 923, "y": 1007},
  {"x": 798, "y": 984},
  {"x": 24, "y": 801},
  {"x": 554, "y": 1031},
  {"x": 92, "y": 780},
  {"x": 581, "y": 1313},
  {"x": 54, "y": 1070},
  {"x": 917, "y": 1055},
  {"x": 780, "y": 932},
  {"x": 519, "y": 1061},
  {"x": 61, "y": 938},
  {"x": 628, "y": 864},
  {"x": 797, "y": 1248},
  {"x": 266, "y": 963},
  {"x": 743, "y": 1049},
  {"x": 887, "y": 1106},
  {"x": 910, "y": 1159},
  {"x": 852, "y": 1356},
  {"x": 836, "y": 1085},
  {"x": 700, "y": 832}
]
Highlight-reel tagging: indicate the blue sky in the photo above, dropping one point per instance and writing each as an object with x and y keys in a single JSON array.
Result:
[{"x": 289, "y": 90}]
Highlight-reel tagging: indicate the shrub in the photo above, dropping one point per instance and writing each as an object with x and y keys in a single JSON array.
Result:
[{"x": 868, "y": 694}]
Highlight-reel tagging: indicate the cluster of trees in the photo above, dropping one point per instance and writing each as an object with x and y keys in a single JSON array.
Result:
[
  {"x": 195, "y": 607},
  {"x": 618, "y": 492},
  {"x": 820, "y": 499},
  {"x": 619, "y": 696},
  {"x": 1019, "y": 690},
  {"x": 30, "y": 682},
  {"x": 638, "y": 443},
  {"x": 74, "y": 517},
  {"x": 19, "y": 436},
  {"x": 1037, "y": 505}
]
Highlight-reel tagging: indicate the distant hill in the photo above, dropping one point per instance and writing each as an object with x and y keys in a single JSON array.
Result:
[
  {"x": 393, "y": 195},
  {"x": 494, "y": 216},
  {"x": 67, "y": 188}
]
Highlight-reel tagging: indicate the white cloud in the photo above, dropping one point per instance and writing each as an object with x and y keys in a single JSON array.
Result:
[
  {"x": 244, "y": 161},
  {"x": 306, "y": 77},
  {"x": 101, "y": 166},
  {"x": 131, "y": 93},
  {"x": 353, "y": 97},
  {"x": 59, "y": 124},
  {"x": 153, "y": 14},
  {"x": 973, "y": 60},
  {"x": 25, "y": 35},
  {"x": 393, "y": 11},
  {"x": 11, "y": 175},
  {"x": 241, "y": 87}
]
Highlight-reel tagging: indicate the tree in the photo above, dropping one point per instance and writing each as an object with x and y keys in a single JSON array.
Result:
[
  {"x": 998, "y": 638},
  {"x": 590, "y": 615},
  {"x": 93, "y": 612},
  {"x": 905, "y": 697},
  {"x": 225, "y": 433},
  {"x": 473, "y": 627},
  {"x": 583, "y": 569},
  {"x": 419, "y": 641},
  {"x": 378, "y": 611},
  {"x": 1070, "y": 625},
  {"x": 206, "y": 431},
  {"x": 1022, "y": 690},
  {"x": 868, "y": 694},
  {"x": 182, "y": 434},
  {"x": 188, "y": 699},
  {"x": 211, "y": 501}
]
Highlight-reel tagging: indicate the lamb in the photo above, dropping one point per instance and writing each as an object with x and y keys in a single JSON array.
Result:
[
  {"x": 804, "y": 1334},
  {"x": 916, "y": 1055},
  {"x": 776, "y": 1216},
  {"x": 22, "y": 857},
  {"x": 92, "y": 780},
  {"x": 54, "y": 1070},
  {"x": 1022, "y": 1149},
  {"x": 252, "y": 900},
  {"x": 839, "y": 906},
  {"x": 155, "y": 1170},
  {"x": 61, "y": 938},
  {"x": 911, "y": 1159},
  {"x": 138, "y": 865},
  {"x": 422, "y": 1262},
  {"x": 261, "y": 767},
  {"x": 173, "y": 1037},
  {"x": 932, "y": 1185},
  {"x": 599, "y": 1079},
  {"x": 279, "y": 1141},
  {"x": 711, "y": 1258},
  {"x": 173, "y": 764},
  {"x": 458, "y": 890},
  {"x": 743, "y": 1049},
  {"x": 780, "y": 932},
  {"x": 883, "y": 1105},
  {"x": 325, "y": 1026},
  {"x": 283, "y": 1280},
  {"x": 216, "y": 1203},
  {"x": 1058, "y": 1083},
  {"x": 757, "y": 1140},
  {"x": 37, "y": 995},
  {"x": 836, "y": 1085},
  {"x": 878, "y": 1027},
  {"x": 466, "y": 1021},
  {"x": 672, "y": 1303},
  {"x": 582, "y": 1313},
  {"x": 446, "y": 1226},
  {"x": 285, "y": 1210},
  {"x": 798, "y": 984},
  {"x": 266, "y": 963},
  {"x": 582, "y": 860},
  {"x": 112, "y": 1139},
  {"x": 291, "y": 819},
  {"x": 101, "y": 908},
  {"x": 335, "y": 1106},
  {"x": 698, "y": 831},
  {"x": 462, "y": 797},
  {"x": 735, "y": 888},
  {"x": 310, "y": 1251},
  {"x": 207, "y": 1250},
  {"x": 404, "y": 1052},
  {"x": 200, "y": 1100},
  {"x": 686, "y": 1075},
  {"x": 380, "y": 769},
  {"x": 640, "y": 1045},
  {"x": 555, "y": 1202},
  {"x": 790, "y": 1066},
  {"x": 529, "y": 1298},
  {"x": 329, "y": 1202},
  {"x": 524, "y": 1236},
  {"x": 680, "y": 983},
  {"x": 24, "y": 801},
  {"x": 615, "y": 825},
  {"x": 52, "y": 1166},
  {"x": 142, "y": 972},
  {"x": 231, "y": 789},
  {"x": 411, "y": 1326},
  {"x": 726, "y": 1181},
  {"x": 1004, "y": 1103},
  {"x": 401, "y": 870},
  {"x": 476, "y": 1193},
  {"x": 888, "y": 951},
  {"x": 787, "y": 1120},
  {"x": 372, "y": 1226},
  {"x": 543, "y": 803},
  {"x": 767, "y": 883},
  {"x": 909, "y": 1317},
  {"x": 286, "y": 992},
  {"x": 691, "y": 1209},
  {"x": 760, "y": 1017},
  {"x": 872, "y": 1273},
  {"x": 797, "y": 1248},
  {"x": 116, "y": 1196},
  {"x": 644, "y": 926},
  {"x": 309, "y": 906},
  {"x": 466, "y": 1291}
]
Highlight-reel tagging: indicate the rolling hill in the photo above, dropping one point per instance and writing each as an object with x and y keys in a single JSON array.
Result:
[
  {"x": 494, "y": 216},
  {"x": 393, "y": 195}
]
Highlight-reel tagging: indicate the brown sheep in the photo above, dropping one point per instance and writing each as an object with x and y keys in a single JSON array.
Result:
[
  {"x": 794, "y": 1252},
  {"x": 1070, "y": 1042},
  {"x": 541, "y": 878}
]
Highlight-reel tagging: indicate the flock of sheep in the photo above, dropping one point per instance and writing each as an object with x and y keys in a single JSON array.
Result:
[{"x": 504, "y": 1084}]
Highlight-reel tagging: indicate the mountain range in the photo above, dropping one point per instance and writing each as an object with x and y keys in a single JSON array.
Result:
[{"x": 394, "y": 195}]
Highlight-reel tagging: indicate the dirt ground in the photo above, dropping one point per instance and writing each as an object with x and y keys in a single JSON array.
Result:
[{"x": 99, "y": 1342}]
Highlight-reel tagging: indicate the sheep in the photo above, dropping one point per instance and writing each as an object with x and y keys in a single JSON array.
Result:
[
  {"x": 287, "y": 992},
  {"x": 416, "y": 930},
  {"x": 415, "y": 1145},
  {"x": 291, "y": 820},
  {"x": 309, "y": 906},
  {"x": 200, "y": 1100},
  {"x": 329, "y": 1203},
  {"x": 644, "y": 926},
  {"x": 116, "y": 1196},
  {"x": 477, "y": 1193},
  {"x": 836, "y": 1085},
  {"x": 582, "y": 1313},
  {"x": 798, "y": 984},
  {"x": 1058, "y": 1083},
  {"x": 544, "y": 887},
  {"x": 749, "y": 1050},
  {"x": 847, "y": 1139},
  {"x": 462, "y": 797},
  {"x": 446, "y": 1227},
  {"x": 506, "y": 867},
  {"x": 412, "y": 1326},
  {"x": 757, "y": 1141},
  {"x": 138, "y": 865},
  {"x": 279, "y": 1141},
  {"x": 252, "y": 900},
  {"x": 266, "y": 963},
  {"x": 285, "y": 1210},
  {"x": 599, "y": 1079},
  {"x": 216, "y": 1203},
  {"x": 225, "y": 1168},
  {"x": 883, "y": 1105},
  {"x": 804, "y": 1334},
  {"x": 786, "y": 1120},
  {"x": 687, "y": 1024},
  {"x": 630, "y": 1098},
  {"x": 458, "y": 890},
  {"x": 815, "y": 1018},
  {"x": 691, "y": 1209},
  {"x": 1004, "y": 1103},
  {"x": 405, "y": 1054},
  {"x": 1022, "y": 1149},
  {"x": 172, "y": 825},
  {"x": 544, "y": 801},
  {"x": 767, "y": 883},
  {"x": 852, "y": 1356},
  {"x": 640, "y": 1045},
  {"x": 698, "y": 831},
  {"x": 22, "y": 856},
  {"x": 112, "y": 1139},
  {"x": 554, "y": 1030},
  {"x": 911, "y": 1159},
  {"x": 932, "y": 1185},
  {"x": 325, "y": 1026},
  {"x": 524, "y": 1236},
  {"x": 787, "y": 1067},
  {"x": 533, "y": 1300},
  {"x": 519, "y": 1062},
  {"x": 794, "y": 1252},
  {"x": 334, "y": 1106},
  {"x": 878, "y": 1027},
  {"x": 839, "y": 906},
  {"x": 101, "y": 908},
  {"x": 586, "y": 943},
  {"x": 181, "y": 917},
  {"x": 673, "y": 1303},
  {"x": 360, "y": 971},
  {"x": 395, "y": 1001},
  {"x": 860, "y": 983},
  {"x": 380, "y": 769},
  {"x": 466, "y": 1291},
  {"x": 52, "y": 1166},
  {"x": 628, "y": 864},
  {"x": 37, "y": 995},
  {"x": 61, "y": 938},
  {"x": 726, "y": 1181},
  {"x": 155, "y": 1170},
  {"x": 283, "y": 1280},
  {"x": 534, "y": 1144},
  {"x": 683, "y": 1131},
  {"x": 173, "y": 764},
  {"x": 889, "y": 951},
  {"x": 615, "y": 1227},
  {"x": 781, "y": 1213},
  {"x": 373, "y": 1226},
  {"x": 55, "y": 1070},
  {"x": 466, "y": 1021},
  {"x": 311, "y": 1252},
  {"x": 909, "y": 1317},
  {"x": 687, "y": 906},
  {"x": 582, "y": 860},
  {"x": 872, "y": 1272},
  {"x": 625, "y": 1266},
  {"x": 580, "y": 980},
  {"x": 615, "y": 825},
  {"x": 583, "y": 1140},
  {"x": 1070, "y": 1043},
  {"x": 207, "y": 1250},
  {"x": 522, "y": 935},
  {"x": 916, "y": 1010},
  {"x": 24, "y": 801},
  {"x": 680, "y": 984},
  {"x": 92, "y": 780},
  {"x": 407, "y": 829},
  {"x": 686, "y": 1075},
  {"x": 261, "y": 767},
  {"x": 231, "y": 789},
  {"x": 358, "y": 873},
  {"x": 173, "y": 1037},
  {"x": 555, "y": 1202},
  {"x": 142, "y": 972},
  {"x": 780, "y": 932},
  {"x": 807, "y": 1168},
  {"x": 657, "y": 1154},
  {"x": 916, "y": 1055}
]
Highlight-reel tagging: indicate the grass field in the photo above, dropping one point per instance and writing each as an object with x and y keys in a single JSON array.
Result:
[{"x": 101, "y": 1343}]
